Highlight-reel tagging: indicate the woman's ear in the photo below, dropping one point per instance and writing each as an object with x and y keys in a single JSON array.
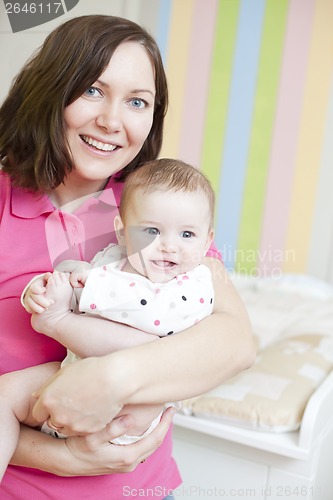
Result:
[{"x": 119, "y": 230}]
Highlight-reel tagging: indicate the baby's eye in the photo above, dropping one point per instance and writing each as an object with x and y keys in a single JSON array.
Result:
[
  {"x": 152, "y": 230},
  {"x": 92, "y": 92},
  {"x": 138, "y": 103},
  {"x": 187, "y": 234}
]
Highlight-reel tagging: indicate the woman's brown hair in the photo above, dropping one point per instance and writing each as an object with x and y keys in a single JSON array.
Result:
[{"x": 33, "y": 144}]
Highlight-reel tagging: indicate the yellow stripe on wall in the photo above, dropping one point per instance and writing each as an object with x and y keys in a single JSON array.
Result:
[
  {"x": 262, "y": 128},
  {"x": 311, "y": 135},
  {"x": 219, "y": 88},
  {"x": 176, "y": 69}
]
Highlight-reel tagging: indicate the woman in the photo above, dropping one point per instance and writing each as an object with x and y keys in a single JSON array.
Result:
[{"x": 86, "y": 110}]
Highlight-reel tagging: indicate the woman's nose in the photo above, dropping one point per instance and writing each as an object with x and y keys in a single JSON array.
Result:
[{"x": 109, "y": 118}]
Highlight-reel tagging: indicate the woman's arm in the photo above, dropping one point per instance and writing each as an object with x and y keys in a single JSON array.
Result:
[
  {"x": 169, "y": 369},
  {"x": 91, "y": 455},
  {"x": 202, "y": 357}
]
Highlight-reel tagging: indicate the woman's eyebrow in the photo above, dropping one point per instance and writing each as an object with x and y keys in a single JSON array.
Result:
[
  {"x": 139, "y": 91},
  {"x": 103, "y": 84}
]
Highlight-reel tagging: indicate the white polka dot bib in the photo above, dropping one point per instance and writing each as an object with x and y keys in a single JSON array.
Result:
[{"x": 158, "y": 308}]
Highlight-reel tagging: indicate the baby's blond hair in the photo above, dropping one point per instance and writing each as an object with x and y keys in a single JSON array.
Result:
[{"x": 169, "y": 174}]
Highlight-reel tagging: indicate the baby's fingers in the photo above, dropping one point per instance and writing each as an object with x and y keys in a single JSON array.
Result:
[
  {"x": 38, "y": 286},
  {"x": 37, "y": 303},
  {"x": 76, "y": 280}
]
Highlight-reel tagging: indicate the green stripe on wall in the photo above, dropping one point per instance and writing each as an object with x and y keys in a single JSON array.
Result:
[
  {"x": 217, "y": 104},
  {"x": 261, "y": 135}
]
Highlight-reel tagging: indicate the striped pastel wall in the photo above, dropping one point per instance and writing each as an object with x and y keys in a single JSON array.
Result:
[
  {"x": 251, "y": 93},
  {"x": 251, "y": 104}
]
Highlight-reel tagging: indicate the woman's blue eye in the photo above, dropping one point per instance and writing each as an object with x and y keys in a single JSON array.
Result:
[
  {"x": 187, "y": 234},
  {"x": 138, "y": 103},
  {"x": 92, "y": 92}
]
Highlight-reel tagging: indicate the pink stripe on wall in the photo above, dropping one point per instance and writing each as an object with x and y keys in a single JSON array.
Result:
[
  {"x": 285, "y": 135},
  {"x": 197, "y": 81}
]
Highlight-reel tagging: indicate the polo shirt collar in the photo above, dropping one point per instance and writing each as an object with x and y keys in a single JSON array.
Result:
[{"x": 28, "y": 205}]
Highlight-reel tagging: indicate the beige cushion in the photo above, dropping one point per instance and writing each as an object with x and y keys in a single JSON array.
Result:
[{"x": 273, "y": 393}]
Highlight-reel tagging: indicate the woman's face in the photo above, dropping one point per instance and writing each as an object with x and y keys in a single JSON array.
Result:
[{"x": 108, "y": 124}]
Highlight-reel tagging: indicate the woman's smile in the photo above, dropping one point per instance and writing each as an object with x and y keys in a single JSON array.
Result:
[{"x": 99, "y": 145}]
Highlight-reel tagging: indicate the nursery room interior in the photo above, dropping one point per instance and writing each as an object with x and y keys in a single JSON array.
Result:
[{"x": 251, "y": 105}]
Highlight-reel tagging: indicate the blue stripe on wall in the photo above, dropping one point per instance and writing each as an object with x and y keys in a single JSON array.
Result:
[
  {"x": 238, "y": 129},
  {"x": 163, "y": 25}
]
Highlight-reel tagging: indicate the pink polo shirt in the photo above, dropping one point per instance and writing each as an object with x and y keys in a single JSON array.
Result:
[{"x": 34, "y": 237}]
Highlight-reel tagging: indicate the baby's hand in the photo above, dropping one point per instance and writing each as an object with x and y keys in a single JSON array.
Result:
[
  {"x": 34, "y": 299},
  {"x": 79, "y": 275},
  {"x": 77, "y": 280}
]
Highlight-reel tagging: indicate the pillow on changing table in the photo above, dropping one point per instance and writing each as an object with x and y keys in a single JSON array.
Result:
[{"x": 273, "y": 393}]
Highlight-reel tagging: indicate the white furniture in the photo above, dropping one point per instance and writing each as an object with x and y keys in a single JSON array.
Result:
[{"x": 222, "y": 460}]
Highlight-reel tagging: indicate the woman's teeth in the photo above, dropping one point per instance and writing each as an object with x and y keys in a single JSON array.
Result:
[{"x": 102, "y": 146}]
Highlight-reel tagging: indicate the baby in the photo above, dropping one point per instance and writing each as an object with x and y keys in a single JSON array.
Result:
[{"x": 153, "y": 280}]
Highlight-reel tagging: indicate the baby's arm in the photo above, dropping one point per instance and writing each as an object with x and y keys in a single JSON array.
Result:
[
  {"x": 16, "y": 405},
  {"x": 34, "y": 298},
  {"x": 82, "y": 334}
]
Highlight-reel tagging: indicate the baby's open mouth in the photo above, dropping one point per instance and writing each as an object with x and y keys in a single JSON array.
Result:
[{"x": 164, "y": 263}]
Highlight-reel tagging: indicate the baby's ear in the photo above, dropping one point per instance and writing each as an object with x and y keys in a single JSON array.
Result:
[
  {"x": 119, "y": 230},
  {"x": 210, "y": 238}
]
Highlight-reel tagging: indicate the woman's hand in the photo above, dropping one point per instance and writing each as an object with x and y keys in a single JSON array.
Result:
[
  {"x": 91, "y": 455},
  {"x": 95, "y": 455},
  {"x": 76, "y": 402},
  {"x": 155, "y": 372}
]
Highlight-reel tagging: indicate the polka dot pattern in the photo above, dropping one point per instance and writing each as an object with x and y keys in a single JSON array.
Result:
[{"x": 163, "y": 309}]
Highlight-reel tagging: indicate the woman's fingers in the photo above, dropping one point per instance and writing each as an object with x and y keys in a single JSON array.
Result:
[
  {"x": 130, "y": 456},
  {"x": 149, "y": 444},
  {"x": 118, "y": 427},
  {"x": 71, "y": 400}
]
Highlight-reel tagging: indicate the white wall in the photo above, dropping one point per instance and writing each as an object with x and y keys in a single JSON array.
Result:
[{"x": 16, "y": 48}]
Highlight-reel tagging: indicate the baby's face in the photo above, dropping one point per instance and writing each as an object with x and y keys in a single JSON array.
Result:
[{"x": 167, "y": 233}]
